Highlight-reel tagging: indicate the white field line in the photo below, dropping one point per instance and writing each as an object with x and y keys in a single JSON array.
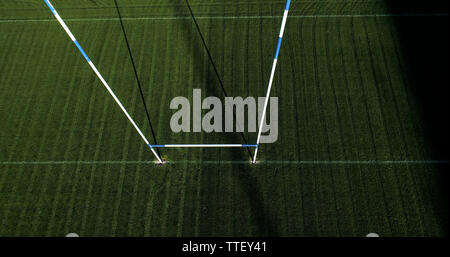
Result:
[
  {"x": 306, "y": 162},
  {"x": 235, "y": 17}
]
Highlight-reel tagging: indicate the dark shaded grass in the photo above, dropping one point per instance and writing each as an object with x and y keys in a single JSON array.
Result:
[{"x": 425, "y": 47}]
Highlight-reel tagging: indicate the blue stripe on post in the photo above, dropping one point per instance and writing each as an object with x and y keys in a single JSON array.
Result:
[
  {"x": 250, "y": 146},
  {"x": 154, "y": 146},
  {"x": 278, "y": 47},
  {"x": 82, "y": 51},
  {"x": 287, "y": 4},
  {"x": 49, "y": 6},
  {"x": 157, "y": 146}
]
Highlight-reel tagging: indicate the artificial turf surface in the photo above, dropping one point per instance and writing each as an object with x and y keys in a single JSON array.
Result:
[{"x": 353, "y": 155}]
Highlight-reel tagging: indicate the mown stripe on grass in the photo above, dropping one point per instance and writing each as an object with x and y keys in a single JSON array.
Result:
[
  {"x": 100, "y": 227},
  {"x": 357, "y": 190},
  {"x": 170, "y": 53},
  {"x": 211, "y": 185},
  {"x": 14, "y": 106},
  {"x": 350, "y": 144},
  {"x": 121, "y": 179},
  {"x": 131, "y": 227},
  {"x": 72, "y": 222},
  {"x": 93, "y": 173},
  {"x": 59, "y": 193},
  {"x": 181, "y": 207},
  {"x": 148, "y": 216},
  {"x": 388, "y": 179},
  {"x": 133, "y": 107},
  {"x": 153, "y": 98},
  {"x": 345, "y": 207},
  {"x": 308, "y": 179},
  {"x": 15, "y": 66},
  {"x": 24, "y": 124},
  {"x": 56, "y": 147},
  {"x": 357, "y": 102},
  {"x": 326, "y": 181},
  {"x": 372, "y": 183},
  {"x": 300, "y": 132},
  {"x": 161, "y": 49},
  {"x": 38, "y": 217},
  {"x": 182, "y": 74},
  {"x": 7, "y": 56},
  {"x": 403, "y": 176},
  {"x": 24, "y": 220}
]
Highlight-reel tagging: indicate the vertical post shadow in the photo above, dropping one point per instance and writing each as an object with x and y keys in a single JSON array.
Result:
[
  {"x": 246, "y": 181},
  {"x": 136, "y": 75}
]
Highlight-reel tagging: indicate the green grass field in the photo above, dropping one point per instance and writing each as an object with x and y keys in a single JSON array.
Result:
[{"x": 352, "y": 155}]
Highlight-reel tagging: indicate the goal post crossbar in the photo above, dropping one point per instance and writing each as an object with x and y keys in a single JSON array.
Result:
[{"x": 202, "y": 145}]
